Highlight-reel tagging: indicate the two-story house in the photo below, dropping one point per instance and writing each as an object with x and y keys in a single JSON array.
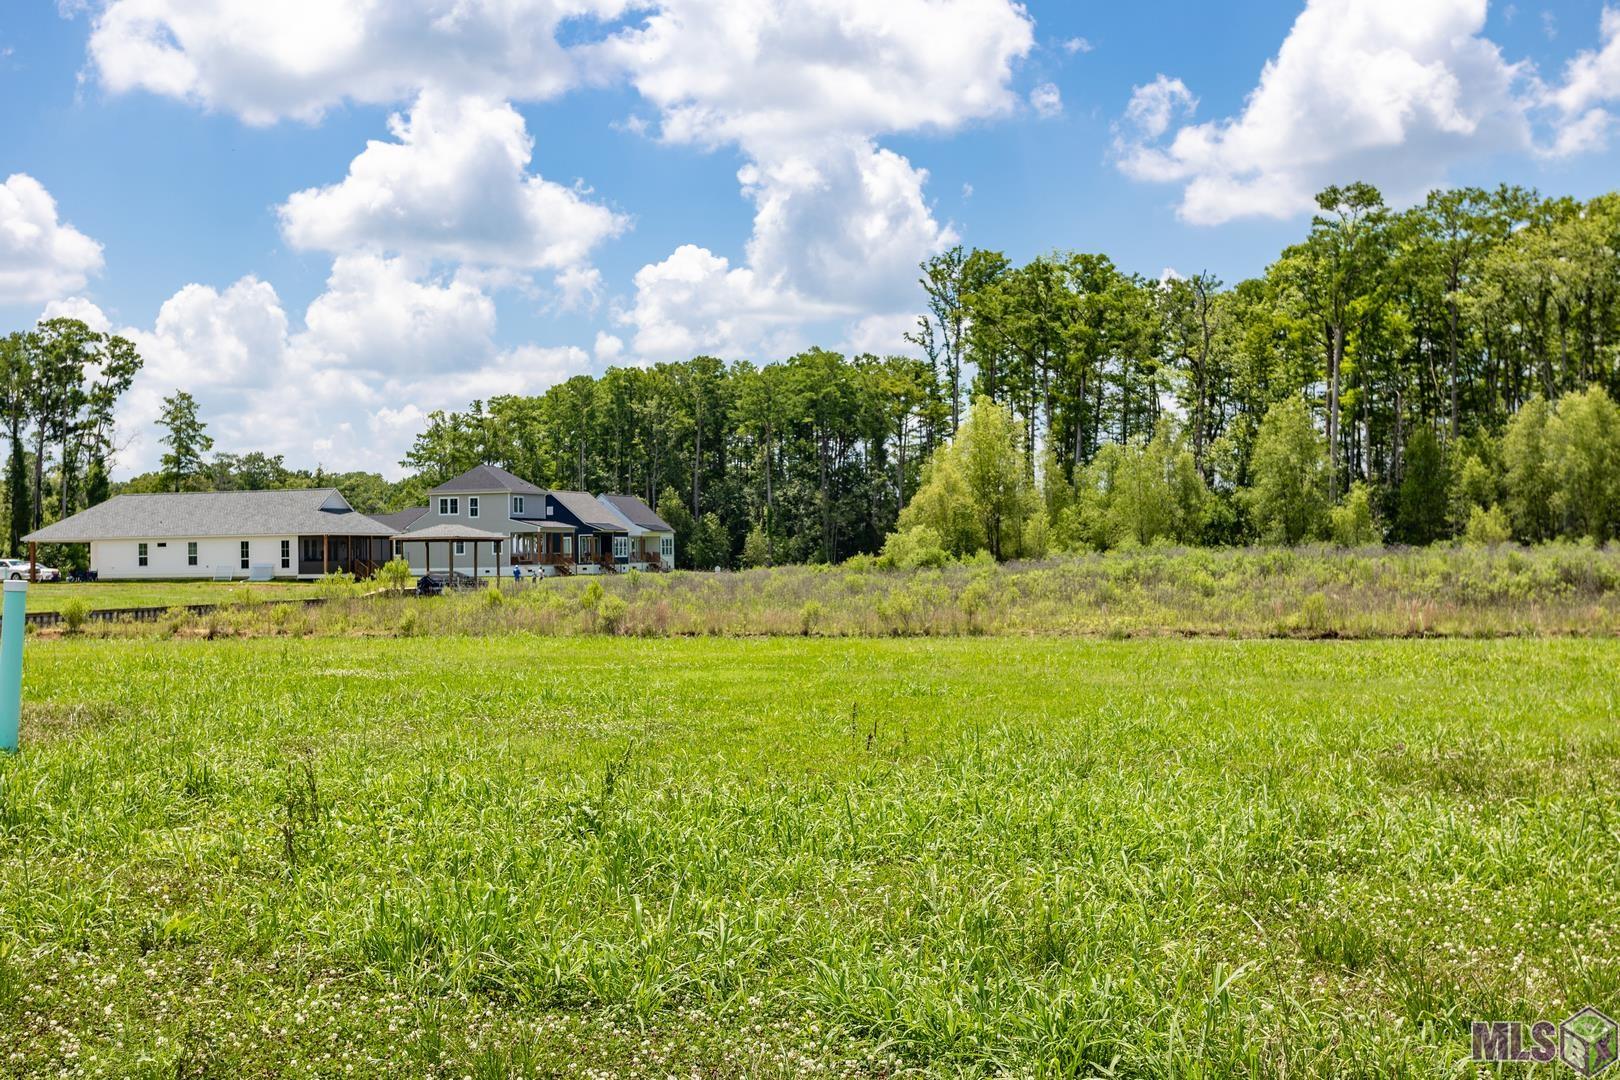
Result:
[{"x": 481, "y": 501}]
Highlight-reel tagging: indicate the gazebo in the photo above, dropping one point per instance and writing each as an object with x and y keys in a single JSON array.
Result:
[{"x": 450, "y": 534}]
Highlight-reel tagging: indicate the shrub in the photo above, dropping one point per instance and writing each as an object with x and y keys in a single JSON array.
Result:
[
  {"x": 610, "y": 615},
  {"x": 1352, "y": 523},
  {"x": 338, "y": 585},
  {"x": 394, "y": 575},
  {"x": 75, "y": 613},
  {"x": 591, "y": 598},
  {"x": 1488, "y": 528},
  {"x": 810, "y": 617},
  {"x": 913, "y": 548},
  {"x": 493, "y": 597}
]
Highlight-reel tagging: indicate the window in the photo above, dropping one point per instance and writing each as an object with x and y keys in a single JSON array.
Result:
[
  {"x": 140, "y": 554},
  {"x": 548, "y": 509},
  {"x": 568, "y": 545},
  {"x": 245, "y": 554},
  {"x": 449, "y": 506},
  {"x": 666, "y": 547},
  {"x": 472, "y": 506},
  {"x": 461, "y": 547},
  {"x": 286, "y": 554},
  {"x": 191, "y": 553},
  {"x": 517, "y": 505},
  {"x": 496, "y": 547},
  {"x": 399, "y": 549},
  {"x": 621, "y": 547}
]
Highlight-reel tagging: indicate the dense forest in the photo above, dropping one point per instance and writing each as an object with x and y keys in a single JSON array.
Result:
[{"x": 1402, "y": 375}]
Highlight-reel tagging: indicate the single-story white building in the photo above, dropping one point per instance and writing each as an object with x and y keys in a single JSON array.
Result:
[
  {"x": 218, "y": 534},
  {"x": 650, "y": 544}
]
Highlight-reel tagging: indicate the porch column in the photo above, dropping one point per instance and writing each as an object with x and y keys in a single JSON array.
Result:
[
  {"x": 326, "y": 554},
  {"x": 33, "y": 560},
  {"x": 475, "y": 562}
]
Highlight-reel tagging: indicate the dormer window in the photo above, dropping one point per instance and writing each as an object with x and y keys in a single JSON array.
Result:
[
  {"x": 449, "y": 506},
  {"x": 517, "y": 505},
  {"x": 472, "y": 506}
]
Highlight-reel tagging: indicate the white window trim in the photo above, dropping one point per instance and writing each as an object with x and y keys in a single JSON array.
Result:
[
  {"x": 191, "y": 553},
  {"x": 472, "y": 506},
  {"x": 246, "y": 551},
  {"x": 461, "y": 547},
  {"x": 517, "y": 505},
  {"x": 449, "y": 505},
  {"x": 286, "y": 554},
  {"x": 142, "y": 554}
]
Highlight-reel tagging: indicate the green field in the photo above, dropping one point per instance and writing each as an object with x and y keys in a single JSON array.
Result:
[
  {"x": 523, "y": 855},
  {"x": 54, "y": 595}
]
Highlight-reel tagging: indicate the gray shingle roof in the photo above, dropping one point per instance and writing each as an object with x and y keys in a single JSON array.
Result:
[
  {"x": 192, "y": 515},
  {"x": 400, "y": 519},
  {"x": 637, "y": 512},
  {"x": 487, "y": 478},
  {"x": 585, "y": 507},
  {"x": 449, "y": 530}
]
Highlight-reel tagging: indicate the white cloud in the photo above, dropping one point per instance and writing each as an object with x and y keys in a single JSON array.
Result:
[
  {"x": 297, "y": 58},
  {"x": 1591, "y": 80},
  {"x": 41, "y": 258},
  {"x": 77, "y": 307},
  {"x": 761, "y": 73},
  {"x": 695, "y": 302},
  {"x": 609, "y": 347},
  {"x": 804, "y": 89},
  {"x": 454, "y": 185},
  {"x": 1047, "y": 100},
  {"x": 377, "y": 315},
  {"x": 1077, "y": 45},
  {"x": 1381, "y": 90}
]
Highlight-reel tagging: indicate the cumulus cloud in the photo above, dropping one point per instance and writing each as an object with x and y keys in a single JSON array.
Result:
[
  {"x": 1382, "y": 90},
  {"x": 41, "y": 257},
  {"x": 297, "y": 58},
  {"x": 376, "y": 314},
  {"x": 1591, "y": 82},
  {"x": 453, "y": 185},
  {"x": 805, "y": 90},
  {"x": 762, "y": 73}
]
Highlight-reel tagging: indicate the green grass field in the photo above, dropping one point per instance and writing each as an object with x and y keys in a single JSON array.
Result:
[
  {"x": 522, "y": 855},
  {"x": 54, "y": 595}
]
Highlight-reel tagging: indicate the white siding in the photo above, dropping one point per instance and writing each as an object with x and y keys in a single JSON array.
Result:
[{"x": 216, "y": 556}]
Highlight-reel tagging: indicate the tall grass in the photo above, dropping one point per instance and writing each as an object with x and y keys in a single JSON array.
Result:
[{"x": 1311, "y": 593}]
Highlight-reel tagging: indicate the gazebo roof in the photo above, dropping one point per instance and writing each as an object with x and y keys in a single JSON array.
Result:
[{"x": 449, "y": 531}]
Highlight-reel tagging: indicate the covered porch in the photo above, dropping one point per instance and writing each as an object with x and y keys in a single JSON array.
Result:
[{"x": 357, "y": 555}]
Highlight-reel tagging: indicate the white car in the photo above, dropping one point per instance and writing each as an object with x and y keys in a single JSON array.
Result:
[{"x": 17, "y": 570}]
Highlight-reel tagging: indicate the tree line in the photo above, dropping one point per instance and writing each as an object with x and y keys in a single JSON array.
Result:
[
  {"x": 60, "y": 384},
  {"x": 1407, "y": 346}
]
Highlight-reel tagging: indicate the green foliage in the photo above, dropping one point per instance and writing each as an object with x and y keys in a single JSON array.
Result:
[
  {"x": 75, "y": 613},
  {"x": 977, "y": 491},
  {"x": 1288, "y": 499},
  {"x": 710, "y": 546},
  {"x": 1529, "y": 476},
  {"x": 395, "y": 575},
  {"x": 1420, "y": 516},
  {"x": 1137, "y": 493},
  {"x": 1488, "y": 527},
  {"x": 913, "y": 548},
  {"x": 756, "y": 549},
  {"x": 187, "y": 439},
  {"x": 1473, "y": 487},
  {"x": 1583, "y": 455},
  {"x": 1353, "y": 523}
]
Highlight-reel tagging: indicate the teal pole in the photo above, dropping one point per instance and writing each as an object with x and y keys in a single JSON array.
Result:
[{"x": 12, "y": 630}]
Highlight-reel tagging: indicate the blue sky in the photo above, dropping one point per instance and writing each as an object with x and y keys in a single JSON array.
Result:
[{"x": 621, "y": 181}]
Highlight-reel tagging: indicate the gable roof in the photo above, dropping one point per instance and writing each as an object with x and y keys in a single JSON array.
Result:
[
  {"x": 584, "y": 506},
  {"x": 637, "y": 512},
  {"x": 481, "y": 478},
  {"x": 400, "y": 520},
  {"x": 191, "y": 515}
]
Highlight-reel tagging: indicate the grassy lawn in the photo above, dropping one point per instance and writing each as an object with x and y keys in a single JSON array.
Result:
[
  {"x": 52, "y": 595},
  {"x": 519, "y": 855}
]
